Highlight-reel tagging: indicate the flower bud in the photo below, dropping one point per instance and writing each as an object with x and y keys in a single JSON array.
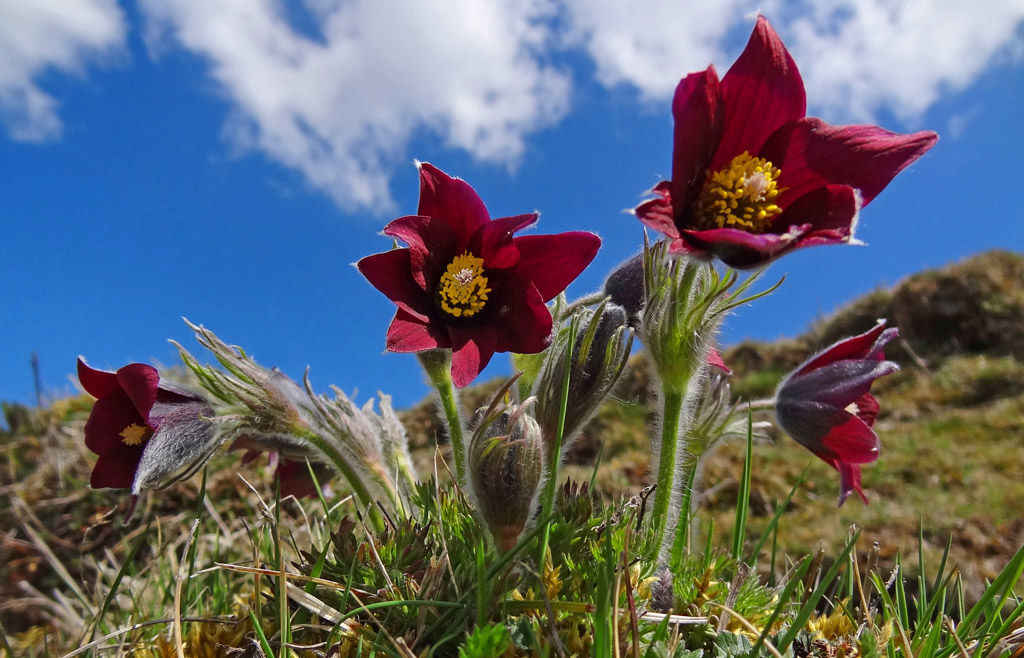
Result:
[
  {"x": 680, "y": 318},
  {"x": 506, "y": 462},
  {"x": 600, "y": 349},
  {"x": 625, "y": 287}
]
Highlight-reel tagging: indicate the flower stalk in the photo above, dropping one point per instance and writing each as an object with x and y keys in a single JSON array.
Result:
[{"x": 437, "y": 364}]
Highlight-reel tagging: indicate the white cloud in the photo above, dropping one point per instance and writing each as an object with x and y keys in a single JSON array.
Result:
[
  {"x": 341, "y": 99},
  {"x": 860, "y": 57},
  {"x": 37, "y": 35},
  {"x": 651, "y": 45},
  {"x": 343, "y": 107}
]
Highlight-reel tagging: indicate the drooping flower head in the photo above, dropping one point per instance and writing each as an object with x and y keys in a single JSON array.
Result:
[
  {"x": 465, "y": 283},
  {"x": 826, "y": 404},
  {"x": 753, "y": 177},
  {"x": 142, "y": 429}
]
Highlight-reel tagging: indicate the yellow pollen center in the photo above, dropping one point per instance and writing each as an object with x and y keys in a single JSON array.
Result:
[
  {"x": 742, "y": 195},
  {"x": 463, "y": 289},
  {"x": 133, "y": 435}
]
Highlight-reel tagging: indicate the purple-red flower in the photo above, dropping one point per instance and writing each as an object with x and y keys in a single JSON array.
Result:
[
  {"x": 135, "y": 415},
  {"x": 465, "y": 283},
  {"x": 753, "y": 177},
  {"x": 291, "y": 473},
  {"x": 826, "y": 404}
]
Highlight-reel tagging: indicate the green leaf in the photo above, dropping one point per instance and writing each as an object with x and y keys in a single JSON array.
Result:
[{"x": 486, "y": 642}]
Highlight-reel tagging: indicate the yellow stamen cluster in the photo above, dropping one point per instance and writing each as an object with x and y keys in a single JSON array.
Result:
[
  {"x": 742, "y": 195},
  {"x": 133, "y": 435},
  {"x": 463, "y": 289}
]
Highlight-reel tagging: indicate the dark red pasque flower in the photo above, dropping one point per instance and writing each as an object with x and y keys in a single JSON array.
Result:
[
  {"x": 465, "y": 283},
  {"x": 753, "y": 177},
  {"x": 826, "y": 404},
  {"x": 293, "y": 474},
  {"x": 135, "y": 414}
]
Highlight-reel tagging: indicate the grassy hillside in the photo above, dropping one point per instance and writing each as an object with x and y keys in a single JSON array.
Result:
[
  {"x": 951, "y": 425},
  {"x": 952, "y": 465}
]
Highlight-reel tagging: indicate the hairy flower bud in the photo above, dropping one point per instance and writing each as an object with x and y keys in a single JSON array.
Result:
[
  {"x": 600, "y": 348},
  {"x": 506, "y": 462},
  {"x": 625, "y": 287}
]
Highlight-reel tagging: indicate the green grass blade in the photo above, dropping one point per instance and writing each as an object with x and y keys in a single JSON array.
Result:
[
  {"x": 770, "y": 529},
  {"x": 267, "y": 651},
  {"x": 743, "y": 501},
  {"x": 805, "y": 611}
]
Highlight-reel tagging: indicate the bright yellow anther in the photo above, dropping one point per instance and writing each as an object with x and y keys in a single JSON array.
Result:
[
  {"x": 133, "y": 435},
  {"x": 462, "y": 291},
  {"x": 742, "y": 195}
]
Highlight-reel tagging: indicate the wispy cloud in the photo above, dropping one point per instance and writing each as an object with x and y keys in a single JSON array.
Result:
[
  {"x": 342, "y": 106},
  {"x": 862, "y": 57},
  {"x": 49, "y": 34},
  {"x": 650, "y": 45},
  {"x": 859, "y": 58},
  {"x": 338, "y": 89}
]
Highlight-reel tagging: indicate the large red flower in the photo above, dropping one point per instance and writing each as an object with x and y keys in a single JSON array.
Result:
[
  {"x": 826, "y": 404},
  {"x": 753, "y": 177},
  {"x": 134, "y": 415},
  {"x": 465, "y": 283}
]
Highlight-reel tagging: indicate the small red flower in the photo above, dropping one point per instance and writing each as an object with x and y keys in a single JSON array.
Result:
[
  {"x": 133, "y": 413},
  {"x": 291, "y": 473},
  {"x": 753, "y": 177},
  {"x": 825, "y": 404},
  {"x": 465, "y": 283}
]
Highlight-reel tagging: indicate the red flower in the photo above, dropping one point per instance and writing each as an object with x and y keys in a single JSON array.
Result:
[
  {"x": 753, "y": 177},
  {"x": 293, "y": 474},
  {"x": 825, "y": 404},
  {"x": 136, "y": 415},
  {"x": 465, "y": 283}
]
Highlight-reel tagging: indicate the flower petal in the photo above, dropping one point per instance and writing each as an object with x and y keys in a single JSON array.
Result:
[
  {"x": 493, "y": 241},
  {"x": 472, "y": 349},
  {"x": 97, "y": 383},
  {"x": 699, "y": 115},
  {"x": 762, "y": 91},
  {"x": 452, "y": 200},
  {"x": 552, "y": 262},
  {"x": 849, "y": 480},
  {"x": 853, "y": 441},
  {"x": 523, "y": 324},
  {"x": 141, "y": 383},
  {"x": 408, "y": 333},
  {"x": 830, "y": 212},
  {"x": 828, "y": 432},
  {"x": 116, "y": 470},
  {"x": 109, "y": 417},
  {"x": 432, "y": 245},
  {"x": 867, "y": 345},
  {"x": 715, "y": 360},
  {"x": 656, "y": 213},
  {"x": 391, "y": 273},
  {"x": 867, "y": 409},
  {"x": 812, "y": 153},
  {"x": 838, "y": 384},
  {"x": 742, "y": 250}
]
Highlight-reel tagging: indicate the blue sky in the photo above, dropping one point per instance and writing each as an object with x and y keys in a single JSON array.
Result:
[{"x": 228, "y": 160}]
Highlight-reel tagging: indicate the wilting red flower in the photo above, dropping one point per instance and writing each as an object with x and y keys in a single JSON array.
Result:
[
  {"x": 825, "y": 404},
  {"x": 292, "y": 474},
  {"x": 465, "y": 283},
  {"x": 753, "y": 177},
  {"x": 135, "y": 415}
]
